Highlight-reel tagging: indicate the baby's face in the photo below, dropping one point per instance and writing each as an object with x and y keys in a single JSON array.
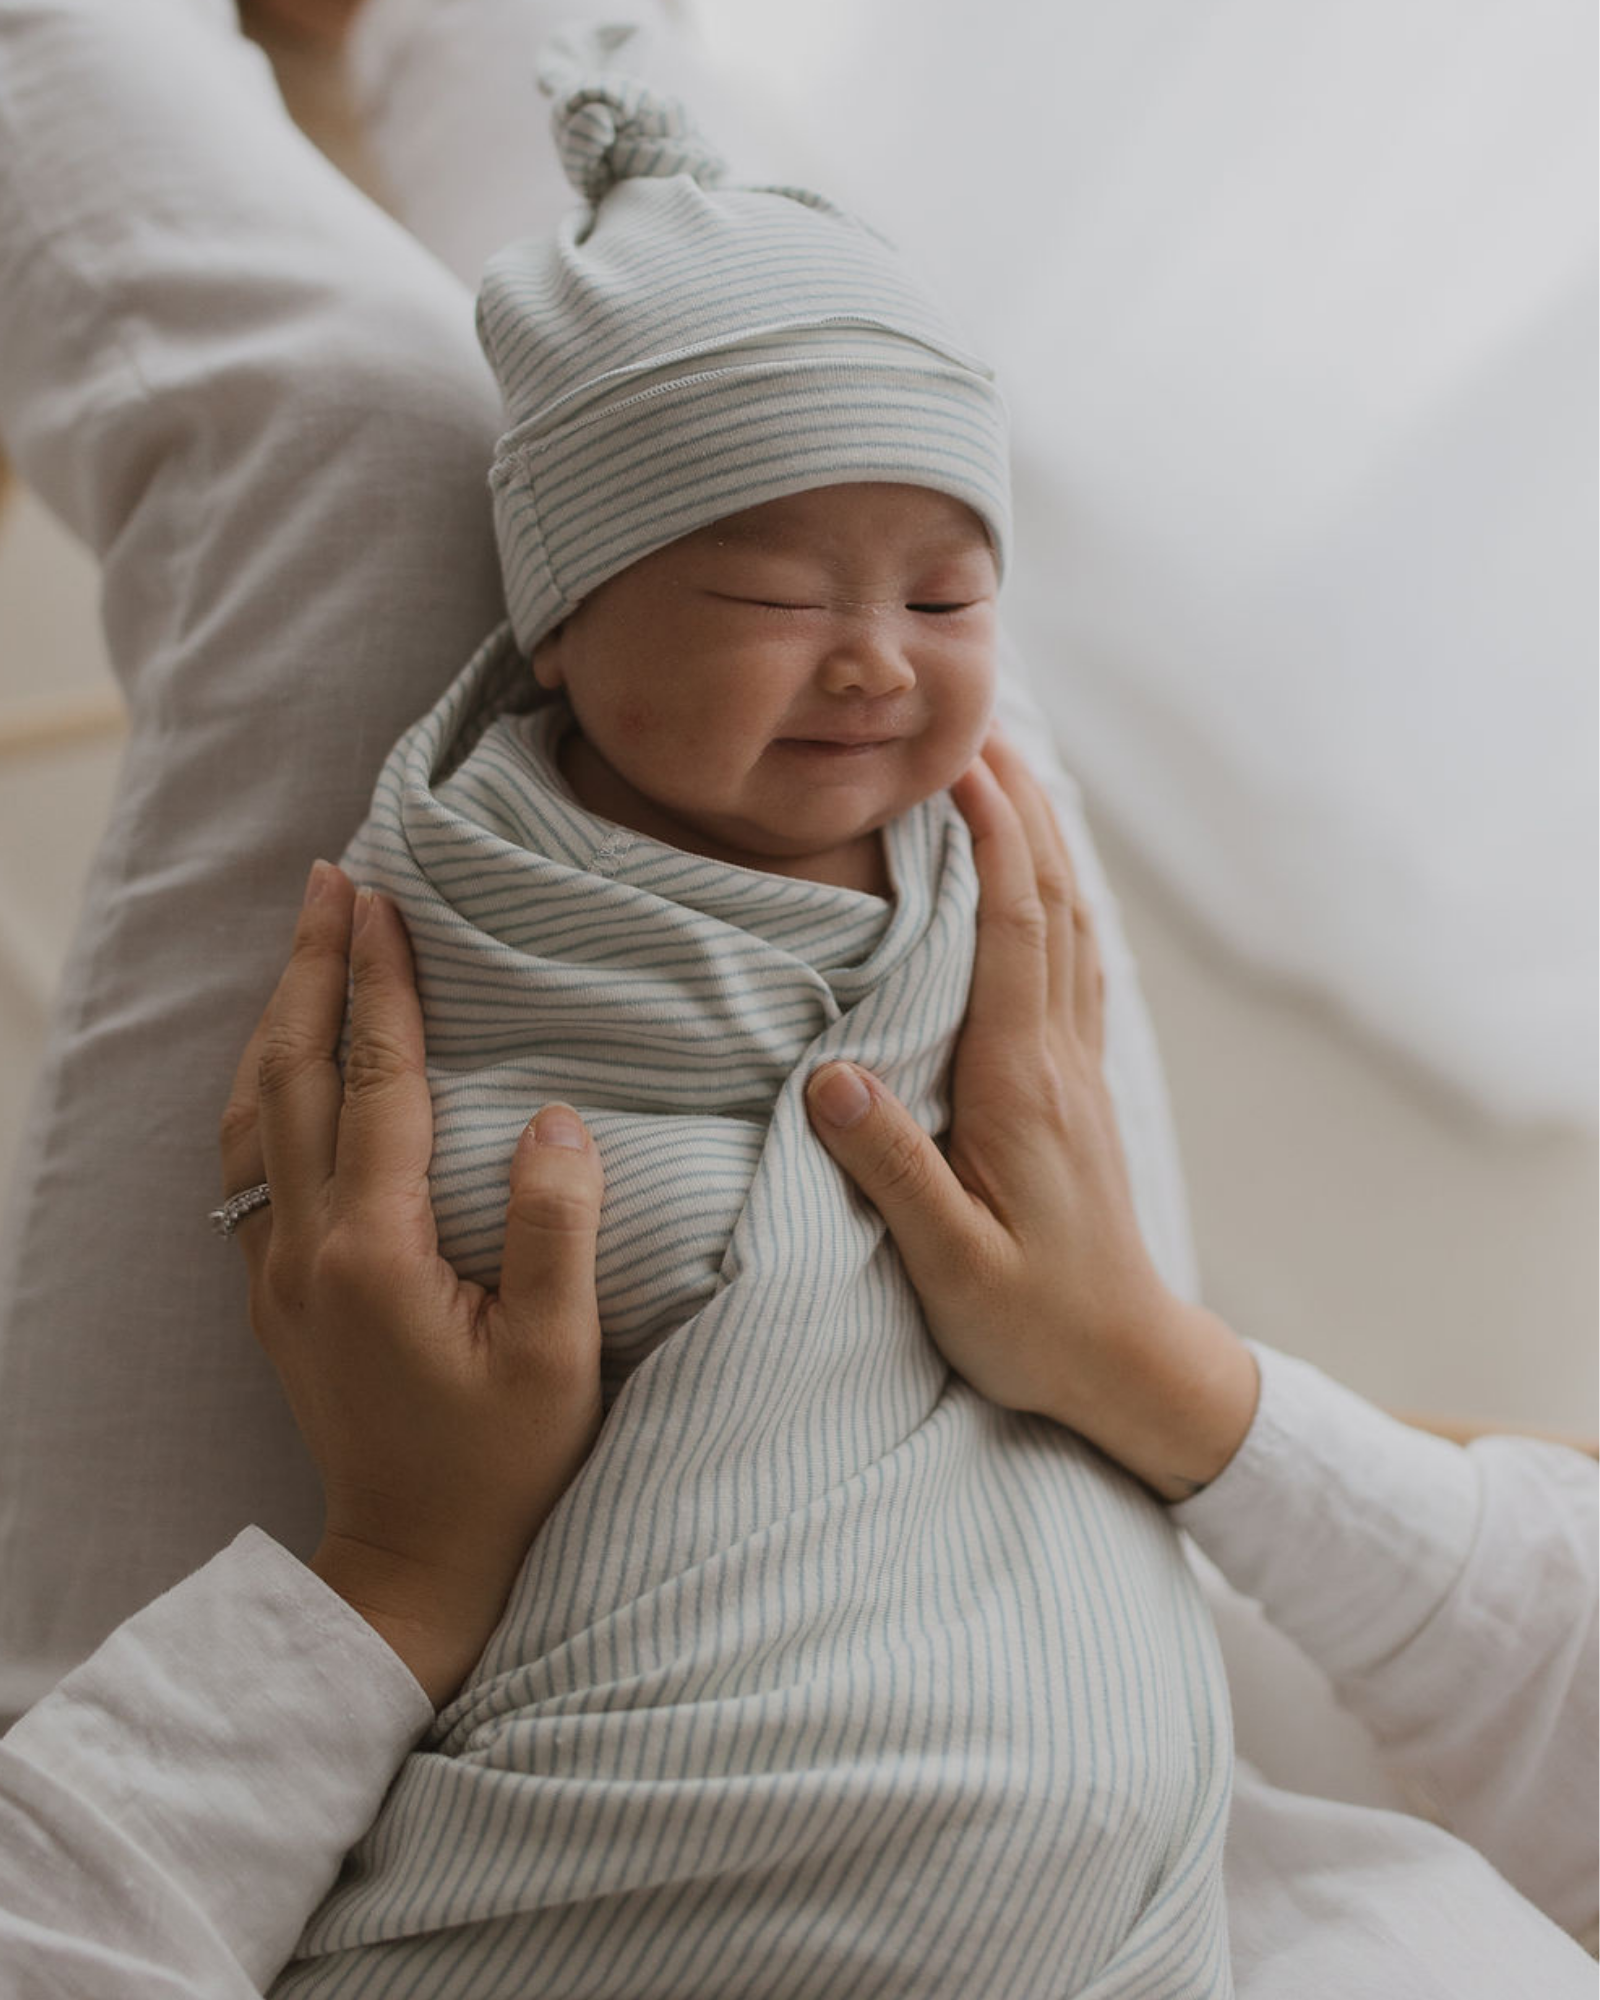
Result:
[{"x": 774, "y": 688}]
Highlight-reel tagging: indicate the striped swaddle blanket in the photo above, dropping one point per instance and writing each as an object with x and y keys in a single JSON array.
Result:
[{"x": 825, "y": 1678}]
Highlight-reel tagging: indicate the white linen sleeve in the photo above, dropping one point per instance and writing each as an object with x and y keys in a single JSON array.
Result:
[
  {"x": 171, "y": 1814},
  {"x": 1451, "y": 1597}
]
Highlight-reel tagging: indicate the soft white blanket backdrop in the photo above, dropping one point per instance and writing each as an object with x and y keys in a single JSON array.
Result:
[{"x": 1294, "y": 309}]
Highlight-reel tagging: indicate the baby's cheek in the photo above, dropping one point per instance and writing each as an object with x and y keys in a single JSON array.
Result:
[
  {"x": 638, "y": 721},
  {"x": 967, "y": 715},
  {"x": 631, "y": 718}
]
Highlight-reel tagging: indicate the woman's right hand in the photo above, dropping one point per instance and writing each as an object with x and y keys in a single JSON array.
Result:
[
  {"x": 445, "y": 1421},
  {"x": 1022, "y": 1241}
]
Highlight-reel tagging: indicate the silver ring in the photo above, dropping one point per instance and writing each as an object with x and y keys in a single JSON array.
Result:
[{"x": 226, "y": 1220}]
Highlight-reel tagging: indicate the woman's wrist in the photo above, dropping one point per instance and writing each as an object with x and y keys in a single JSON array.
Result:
[
  {"x": 1171, "y": 1400},
  {"x": 436, "y": 1621}
]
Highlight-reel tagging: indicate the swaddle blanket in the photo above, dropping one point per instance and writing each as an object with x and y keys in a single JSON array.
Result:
[{"x": 825, "y": 1678}]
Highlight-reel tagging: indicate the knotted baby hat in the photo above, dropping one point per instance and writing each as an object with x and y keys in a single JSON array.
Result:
[{"x": 685, "y": 348}]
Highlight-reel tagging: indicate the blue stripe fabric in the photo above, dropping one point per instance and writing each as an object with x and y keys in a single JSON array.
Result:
[{"x": 825, "y": 1679}]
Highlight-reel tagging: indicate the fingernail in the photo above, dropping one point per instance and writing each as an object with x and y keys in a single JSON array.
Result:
[
  {"x": 839, "y": 1096},
  {"x": 559, "y": 1125},
  {"x": 319, "y": 882},
  {"x": 366, "y": 903}
]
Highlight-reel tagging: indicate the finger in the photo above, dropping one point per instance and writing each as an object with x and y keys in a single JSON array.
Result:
[
  {"x": 1054, "y": 877},
  {"x": 240, "y": 1136},
  {"x": 1089, "y": 986},
  {"x": 386, "y": 1124},
  {"x": 547, "y": 1270},
  {"x": 1009, "y": 1000},
  {"x": 1077, "y": 974},
  {"x": 296, "y": 1078},
  {"x": 895, "y": 1165}
]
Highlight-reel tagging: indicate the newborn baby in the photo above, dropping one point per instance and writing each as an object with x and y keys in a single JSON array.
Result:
[
  {"x": 771, "y": 692},
  {"x": 753, "y": 508},
  {"x": 825, "y": 1676}
]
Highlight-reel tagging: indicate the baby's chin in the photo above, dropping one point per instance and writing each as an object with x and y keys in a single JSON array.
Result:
[{"x": 822, "y": 822}]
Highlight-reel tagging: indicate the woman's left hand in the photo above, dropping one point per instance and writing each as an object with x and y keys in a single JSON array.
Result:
[
  {"x": 445, "y": 1420},
  {"x": 1022, "y": 1242}
]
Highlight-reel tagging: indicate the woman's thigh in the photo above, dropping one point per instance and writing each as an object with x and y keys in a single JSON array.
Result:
[{"x": 262, "y": 404}]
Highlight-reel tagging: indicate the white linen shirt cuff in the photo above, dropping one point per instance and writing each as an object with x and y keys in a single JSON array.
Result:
[
  {"x": 237, "y": 1735},
  {"x": 1347, "y": 1526}
]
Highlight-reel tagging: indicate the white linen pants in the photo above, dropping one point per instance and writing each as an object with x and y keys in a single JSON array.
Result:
[{"x": 260, "y": 401}]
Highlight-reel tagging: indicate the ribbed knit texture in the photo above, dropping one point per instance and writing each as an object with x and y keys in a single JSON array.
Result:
[
  {"x": 826, "y": 1679},
  {"x": 684, "y": 349}
]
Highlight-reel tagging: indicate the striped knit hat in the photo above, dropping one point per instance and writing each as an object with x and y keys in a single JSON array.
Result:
[{"x": 684, "y": 349}]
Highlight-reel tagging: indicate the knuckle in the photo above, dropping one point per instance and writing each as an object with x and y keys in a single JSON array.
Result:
[
  {"x": 553, "y": 1211},
  {"x": 237, "y": 1126},
  {"x": 285, "y": 1059},
  {"x": 342, "y": 1267},
  {"x": 1025, "y": 918},
  {"x": 1056, "y": 889},
  {"x": 1053, "y": 1094},
  {"x": 276, "y": 1292},
  {"x": 374, "y": 1062},
  {"x": 983, "y": 1266},
  {"x": 902, "y": 1167}
]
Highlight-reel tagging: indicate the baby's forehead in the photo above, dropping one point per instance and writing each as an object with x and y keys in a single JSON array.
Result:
[{"x": 881, "y": 517}]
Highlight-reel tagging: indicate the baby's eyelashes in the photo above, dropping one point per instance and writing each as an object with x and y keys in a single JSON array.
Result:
[
  {"x": 775, "y": 604},
  {"x": 760, "y": 603},
  {"x": 939, "y": 608}
]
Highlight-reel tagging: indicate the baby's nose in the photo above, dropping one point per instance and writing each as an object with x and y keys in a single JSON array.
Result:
[{"x": 868, "y": 659}]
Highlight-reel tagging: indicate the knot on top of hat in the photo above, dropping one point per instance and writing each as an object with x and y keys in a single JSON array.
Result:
[{"x": 610, "y": 127}]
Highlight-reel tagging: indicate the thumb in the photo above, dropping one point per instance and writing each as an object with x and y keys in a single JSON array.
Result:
[
  {"x": 894, "y": 1163},
  {"x": 547, "y": 1283}
]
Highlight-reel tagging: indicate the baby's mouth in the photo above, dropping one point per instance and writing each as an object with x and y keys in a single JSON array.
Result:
[{"x": 835, "y": 746}]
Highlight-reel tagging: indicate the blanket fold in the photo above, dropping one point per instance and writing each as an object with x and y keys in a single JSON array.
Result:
[{"x": 825, "y": 1677}]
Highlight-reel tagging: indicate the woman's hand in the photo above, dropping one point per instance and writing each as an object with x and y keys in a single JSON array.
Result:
[
  {"x": 445, "y": 1421},
  {"x": 1023, "y": 1245}
]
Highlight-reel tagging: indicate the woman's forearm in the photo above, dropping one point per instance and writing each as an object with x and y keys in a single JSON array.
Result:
[{"x": 1449, "y": 1595}]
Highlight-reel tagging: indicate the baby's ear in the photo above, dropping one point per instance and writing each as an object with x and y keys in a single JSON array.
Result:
[{"x": 546, "y": 660}]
